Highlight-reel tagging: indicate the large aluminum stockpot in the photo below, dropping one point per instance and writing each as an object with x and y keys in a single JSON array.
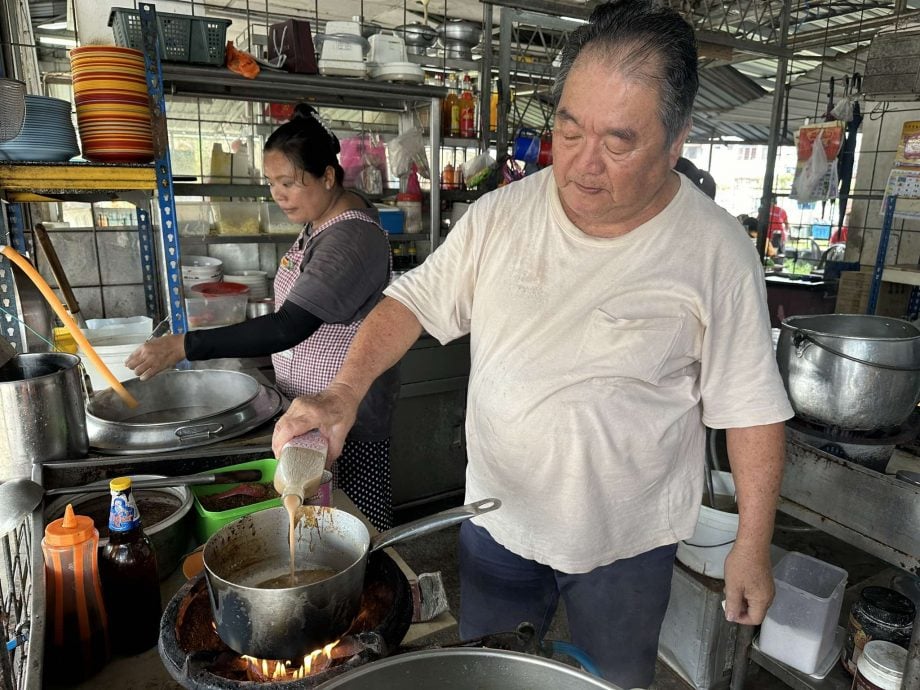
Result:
[
  {"x": 850, "y": 371},
  {"x": 179, "y": 409},
  {"x": 41, "y": 411},
  {"x": 461, "y": 669},
  {"x": 290, "y": 622}
]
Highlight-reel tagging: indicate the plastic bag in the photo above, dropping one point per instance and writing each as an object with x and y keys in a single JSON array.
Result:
[
  {"x": 241, "y": 62},
  {"x": 406, "y": 149},
  {"x": 476, "y": 170},
  {"x": 359, "y": 152},
  {"x": 808, "y": 182}
]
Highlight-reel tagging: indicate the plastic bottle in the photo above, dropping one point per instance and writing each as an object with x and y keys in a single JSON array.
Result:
[
  {"x": 398, "y": 257},
  {"x": 76, "y": 632},
  {"x": 130, "y": 583},
  {"x": 447, "y": 177},
  {"x": 467, "y": 109},
  {"x": 413, "y": 256}
]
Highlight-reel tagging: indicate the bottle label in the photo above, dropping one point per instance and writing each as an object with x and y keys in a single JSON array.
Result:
[{"x": 123, "y": 515}]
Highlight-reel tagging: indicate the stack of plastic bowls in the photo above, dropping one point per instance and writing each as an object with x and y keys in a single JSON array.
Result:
[
  {"x": 200, "y": 269},
  {"x": 113, "y": 112},
  {"x": 47, "y": 132}
]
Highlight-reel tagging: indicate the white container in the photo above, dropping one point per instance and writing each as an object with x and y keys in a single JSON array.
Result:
[
  {"x": 120, "y": 331},
  {"x": 715, "y": 533},
  {"x": 274, "y": 220},
  {"x": 880, "y": 666},
  {"x": 799, "y": 627}
]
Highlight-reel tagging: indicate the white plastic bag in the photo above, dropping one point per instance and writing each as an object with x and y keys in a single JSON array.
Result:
[
  {"x": 406, "y": 149},
  {"x": 809, "y": 181}
]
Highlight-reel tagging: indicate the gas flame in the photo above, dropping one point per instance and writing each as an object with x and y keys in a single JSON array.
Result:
[{"x": 270, "y": 670}]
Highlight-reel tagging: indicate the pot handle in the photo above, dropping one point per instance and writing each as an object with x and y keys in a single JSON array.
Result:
[
  {"x": 801, "y": 341},
  {"x": 192, "y": 433},
  {"x": 433, "y": 523}
]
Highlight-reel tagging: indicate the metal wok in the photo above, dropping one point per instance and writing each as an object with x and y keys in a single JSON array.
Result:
[
  {"x": 291, "y": 622},
  {"x": 177, "y": 410}
]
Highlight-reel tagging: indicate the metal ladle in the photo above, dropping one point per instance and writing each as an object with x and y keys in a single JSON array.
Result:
[{"x": 18, "y": 498}]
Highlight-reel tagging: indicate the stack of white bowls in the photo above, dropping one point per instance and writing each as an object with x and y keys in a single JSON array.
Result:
[
  {"x": 200, "y": 269},
  {"x": 256, "y": 281}
]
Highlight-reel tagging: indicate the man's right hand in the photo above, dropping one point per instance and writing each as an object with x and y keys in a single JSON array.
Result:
[{"x": 332, "y": 411}]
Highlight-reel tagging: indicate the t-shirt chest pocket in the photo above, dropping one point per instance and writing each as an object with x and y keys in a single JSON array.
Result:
[{"x": 627, "y": 347}]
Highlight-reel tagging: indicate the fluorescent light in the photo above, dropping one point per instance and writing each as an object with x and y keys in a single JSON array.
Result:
[
  {"x": 56, "y": 41},
  {"x": 53, "y": 25}
]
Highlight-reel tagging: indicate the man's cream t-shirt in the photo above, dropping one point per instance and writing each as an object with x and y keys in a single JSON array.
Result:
[{"x": 595, "y": 364}]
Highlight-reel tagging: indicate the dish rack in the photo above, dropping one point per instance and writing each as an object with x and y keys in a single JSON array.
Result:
[{"x": 15, "y": 604}]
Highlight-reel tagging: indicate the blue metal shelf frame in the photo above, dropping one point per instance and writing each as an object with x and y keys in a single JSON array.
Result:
[
  {"x": 12, "y": 328},
  {"x": 876, "y": 284},
  {"x": 163, "y": 166}
]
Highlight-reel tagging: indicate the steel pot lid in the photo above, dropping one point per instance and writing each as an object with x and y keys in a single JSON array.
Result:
[{"x": 179, "y": 410}]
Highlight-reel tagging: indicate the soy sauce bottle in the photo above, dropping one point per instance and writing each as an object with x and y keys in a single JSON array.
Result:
[{"x": 130, "y": 584}]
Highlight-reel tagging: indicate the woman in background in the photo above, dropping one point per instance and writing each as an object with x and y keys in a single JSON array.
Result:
[{"x": 327, "y": 282}]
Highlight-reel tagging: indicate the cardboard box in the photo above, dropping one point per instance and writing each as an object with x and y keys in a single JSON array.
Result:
[
  {"x": 853, "y": 295},
  {"x": 294, "y": 39}
]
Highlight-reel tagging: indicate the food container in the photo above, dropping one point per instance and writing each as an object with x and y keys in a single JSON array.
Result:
[
  {"x": 207, "y": 522},
  {"x": 195, "y": 218},
  {"x": 210, "y": 305},
  {"x": 237, "y": 217},
  {"x": 275, "y": 222},
  {"x": 260, "y": 307},
  {"x": 798, "y": 629}
]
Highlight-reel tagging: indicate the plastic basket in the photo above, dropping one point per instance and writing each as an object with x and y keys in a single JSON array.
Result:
[{"x": 200, "y": 40}]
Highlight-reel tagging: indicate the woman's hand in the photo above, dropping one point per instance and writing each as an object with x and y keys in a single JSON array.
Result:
[
  {"x": 156, "y": 355},
  {"x": 332, "y": 411}
]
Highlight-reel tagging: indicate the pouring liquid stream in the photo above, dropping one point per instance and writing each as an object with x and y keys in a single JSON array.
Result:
[{"x": 297, "y": 477}]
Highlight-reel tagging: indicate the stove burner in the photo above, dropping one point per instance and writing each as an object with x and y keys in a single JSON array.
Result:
[
  {"x": 197, "y": 658},
  {"x": 878, "y": 437}
]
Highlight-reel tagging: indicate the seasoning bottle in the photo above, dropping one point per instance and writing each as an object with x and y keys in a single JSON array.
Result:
[
  {"x": 76, "y": 634},
  {"x": 880, "y": 666},
  {"x": 130, "y": 583},
  {"x": 467, "y": 109},
  {"x": 878, "y": 614}
]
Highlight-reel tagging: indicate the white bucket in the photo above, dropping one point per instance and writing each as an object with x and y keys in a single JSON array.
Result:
[
  {"x": 114, "y": 340},
  {"x": 715, "y": 533}
]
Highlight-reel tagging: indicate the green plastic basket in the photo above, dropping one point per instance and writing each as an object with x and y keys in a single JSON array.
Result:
[
  {"x": 208, "y": 521},
  {"x": 199, "y": 40}
]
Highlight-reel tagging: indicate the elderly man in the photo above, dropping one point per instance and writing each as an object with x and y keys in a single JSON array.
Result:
[{"x": 613, "y": 310}]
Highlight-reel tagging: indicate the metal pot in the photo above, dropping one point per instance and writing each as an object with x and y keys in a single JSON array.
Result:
[
  {"x": 179, "y": 409},
  {"x": 850, "y": 371},
  {"x": 460, "y": 31},
  {"x": 459, "y": 669},
  {"x": 291, "y": 622},
  {"x": 260, "y": 307},
  {"x": 418, "y": 37},
  {"x": 42, "y": 418},
  {"x": 455, "y": 50},
  {"x": 170, "y": 535}
]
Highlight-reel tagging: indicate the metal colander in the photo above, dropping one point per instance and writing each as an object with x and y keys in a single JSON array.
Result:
[{"x": 12, "y": 108}]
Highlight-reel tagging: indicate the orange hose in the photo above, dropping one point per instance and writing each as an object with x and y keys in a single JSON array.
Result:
[{"x": 71, "y": 325}]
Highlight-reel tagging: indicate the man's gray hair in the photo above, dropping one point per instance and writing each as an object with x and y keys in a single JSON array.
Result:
[{"x": 650, "y": 42}]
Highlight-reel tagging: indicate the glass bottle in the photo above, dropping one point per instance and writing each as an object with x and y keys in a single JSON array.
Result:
[
  {"x": 76, "y": 634},
  {"x": 467, "y": 109},
  {"x": 493, "y": 106},
  {"x": 130, "y": 584},
  {"x": 453, "y": 107}
]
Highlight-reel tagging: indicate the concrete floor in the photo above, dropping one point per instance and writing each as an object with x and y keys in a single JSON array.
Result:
[{"x": 437, "y": 552}]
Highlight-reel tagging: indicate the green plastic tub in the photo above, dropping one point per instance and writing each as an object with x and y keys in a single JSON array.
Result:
[{"x": 208, "y": 522}]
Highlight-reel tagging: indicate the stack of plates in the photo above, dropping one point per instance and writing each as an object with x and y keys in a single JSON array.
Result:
[
  {"x": 113, "y": 112},
  {"x": 256, "y": 281},
  {"x": 47, "y": 133},
  {"x": 200, "y": 269}
]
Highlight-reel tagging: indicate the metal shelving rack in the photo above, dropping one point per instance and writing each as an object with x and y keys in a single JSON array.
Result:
[{"x": 210, "y": 82}]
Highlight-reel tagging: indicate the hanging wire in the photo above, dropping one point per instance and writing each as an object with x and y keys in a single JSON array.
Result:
[{"x": 54, "y": 348}]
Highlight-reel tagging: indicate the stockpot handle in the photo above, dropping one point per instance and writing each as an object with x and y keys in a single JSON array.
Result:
[
  {"x": 195, "y": 431},
  {"x": 801, "y": 341},
  {"x": 433, "y": 523}
]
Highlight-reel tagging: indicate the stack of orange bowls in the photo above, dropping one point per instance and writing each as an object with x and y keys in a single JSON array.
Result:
[{"x": 113, "y": 112}]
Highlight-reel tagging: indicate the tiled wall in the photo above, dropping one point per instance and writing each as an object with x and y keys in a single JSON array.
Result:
[{"x": 881, "y": 130}]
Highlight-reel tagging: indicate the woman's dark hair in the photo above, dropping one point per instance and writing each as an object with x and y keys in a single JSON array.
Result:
[
  {"x": 307, "y": 143},
  {"x": 648, "y": 41}
]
